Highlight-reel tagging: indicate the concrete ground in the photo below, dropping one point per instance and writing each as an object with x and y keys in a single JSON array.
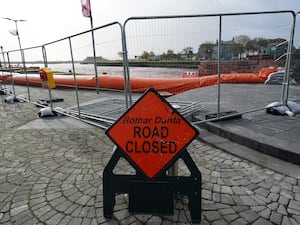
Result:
[{"x": 51, "y": 169}]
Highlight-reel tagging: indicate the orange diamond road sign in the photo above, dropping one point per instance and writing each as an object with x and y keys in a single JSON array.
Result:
[{"x": 151, "y": 133}]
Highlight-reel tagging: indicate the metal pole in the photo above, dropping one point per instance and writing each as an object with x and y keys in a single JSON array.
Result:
[
  {"x": 23, "y": 58},
  {"x": 127, "y": 86},
  {"x": 46, "y": 65},
  {"x": 21, "y": 51},
  {"x": 50, "y": 97},
  {"x": 219, "y": 65},
  {"x": 286, "y": 78},
  {"x": 44, "y": 56},
  {"x": 4, "y": 66},
  {"x": 126, "y": 64},
  {"x": 3, "y": 56},
  {"x": 11, "y": 75},
  {"x": 75, "y": 81},
  {"x": 94, "y": 50}
]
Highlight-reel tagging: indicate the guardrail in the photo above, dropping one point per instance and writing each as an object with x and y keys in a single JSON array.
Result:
[
  {"x": 165, "y": 28},
  {"x": 73, "y": 45},
  {"x": 221, "y": 34}
]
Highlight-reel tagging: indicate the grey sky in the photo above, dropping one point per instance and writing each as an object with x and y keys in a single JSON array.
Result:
[{"x": 49, "y": 20}]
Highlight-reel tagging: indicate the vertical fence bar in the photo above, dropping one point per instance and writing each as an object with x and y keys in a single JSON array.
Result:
[
  {"x": 46, "y": 65},
  {"x": 24, "y": 64},
  {"x": 219, "y": 65},
  {"x": 95, "y": 61},
  {"x": 127, "y": 86},
  {"x": 44, "y": 56},
  {"x": 11, "y": 75},
  {"x": 50, "y": 98},
  {"x": 74, "y": 75},
  {"x": 1, "y": 66},
  {"x": 286, "y": 78},
  {"x": 94, "y": 49}
]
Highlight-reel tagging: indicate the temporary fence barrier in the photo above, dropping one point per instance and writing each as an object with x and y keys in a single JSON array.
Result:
[
  {"x": 67, "y": 50},
  {"x": 218, "y": 37},
  {"x": 233, "y": 33}
]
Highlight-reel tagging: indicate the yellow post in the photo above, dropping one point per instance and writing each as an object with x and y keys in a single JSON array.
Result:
[{"x": 47, "y": 78}]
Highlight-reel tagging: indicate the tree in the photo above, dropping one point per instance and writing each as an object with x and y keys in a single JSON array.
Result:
[
  {"x": 262, "y": 42},
  {"x": 252, "y": 45},
  {"x": 120, "y": 54},
  {"x": 151, "y": 55},
  {"x": 205, "y": 50},
  {"x": 240, "y": 44},
  {"x": 241, "y": 39},
  {"x": 188, "y": 52},
  {"x": 145, "y": 55},
  {"x": 170, "y": 54}
]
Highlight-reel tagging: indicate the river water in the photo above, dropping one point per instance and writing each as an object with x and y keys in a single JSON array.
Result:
[{"x": 89, "y": 69}]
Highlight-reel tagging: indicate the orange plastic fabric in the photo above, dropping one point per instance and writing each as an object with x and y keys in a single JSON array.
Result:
[{"x": 141, "y": 84}]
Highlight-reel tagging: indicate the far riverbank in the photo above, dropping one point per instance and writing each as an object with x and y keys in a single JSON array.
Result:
[{"x": 147, "y": 63}]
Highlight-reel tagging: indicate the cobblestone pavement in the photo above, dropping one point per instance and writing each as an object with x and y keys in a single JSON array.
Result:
[{"x": 54, "y": 176}]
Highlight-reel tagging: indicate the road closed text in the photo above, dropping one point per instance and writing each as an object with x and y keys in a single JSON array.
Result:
[{"x": 151, "y": 140}]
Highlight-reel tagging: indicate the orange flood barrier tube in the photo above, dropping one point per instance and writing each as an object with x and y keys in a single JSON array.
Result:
[{"x": 140, "y": 84}]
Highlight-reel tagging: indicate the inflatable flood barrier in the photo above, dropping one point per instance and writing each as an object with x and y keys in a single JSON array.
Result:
[{"x": 141, "y": 84}]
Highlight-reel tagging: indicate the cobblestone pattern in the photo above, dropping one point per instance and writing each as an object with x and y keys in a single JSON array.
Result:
[
  {"x": 54, "y": 176},
  {"x": 236, "y": 191}
]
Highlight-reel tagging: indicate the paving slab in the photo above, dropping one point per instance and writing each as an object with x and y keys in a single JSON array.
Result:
[
  {"x": 274, "y": 135},
  {"x": 52, "y": 174}
]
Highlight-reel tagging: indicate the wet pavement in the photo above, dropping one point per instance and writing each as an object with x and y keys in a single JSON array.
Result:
[{"x": 51, "y": 169}]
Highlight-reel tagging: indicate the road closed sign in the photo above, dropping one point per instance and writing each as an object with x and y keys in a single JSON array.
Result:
[{"x": 151, "y": 133}]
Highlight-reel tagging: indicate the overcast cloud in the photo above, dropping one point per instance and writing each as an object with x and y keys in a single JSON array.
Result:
[{"x": 49, "y": 20}]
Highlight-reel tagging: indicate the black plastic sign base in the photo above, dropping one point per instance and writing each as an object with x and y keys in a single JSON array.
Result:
[
  {"x": 155, "y": 196},
  {"x": 151, "y": 197}
]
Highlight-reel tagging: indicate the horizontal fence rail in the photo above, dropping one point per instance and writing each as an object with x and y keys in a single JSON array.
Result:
[
  {"x": 161, "y": 33},
  {"x": 204, "y": 44}
]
